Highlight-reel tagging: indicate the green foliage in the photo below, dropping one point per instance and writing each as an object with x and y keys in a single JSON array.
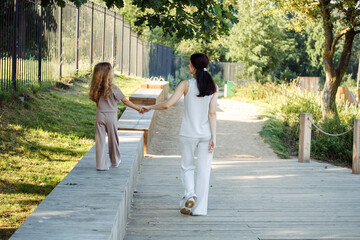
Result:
[
  {"x": 217, "y": 79},
  {"x": 259, "y": 42},
  {"x": 341, "y": 21},
  {"x": 283, "y": 104},
  {"x": 315, "y": 46},
  {"x": 185, "y": 19},
  {"x": 215, "y": 49}
]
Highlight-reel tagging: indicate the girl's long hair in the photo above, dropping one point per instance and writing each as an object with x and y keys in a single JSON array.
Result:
[
  {"x": 204, "y": 80},
  {"x": 101, "y": 83}
]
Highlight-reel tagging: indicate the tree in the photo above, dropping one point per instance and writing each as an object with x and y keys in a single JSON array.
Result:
[
  {"x": 341, "y": 21},
  {"x": 259, "y": 41},
  {"x": 187, "y": 19}
]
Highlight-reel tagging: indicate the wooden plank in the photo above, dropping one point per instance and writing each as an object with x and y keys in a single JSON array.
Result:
[
  {"x": 276, "y": 198},
  {"x": 144, "y": 96},
  {"x": 133, "y": 121},
  {"x": 157, "y": 85}
]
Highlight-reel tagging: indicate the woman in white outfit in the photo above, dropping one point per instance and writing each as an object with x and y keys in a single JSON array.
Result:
[{"x": 198, "y": 132}]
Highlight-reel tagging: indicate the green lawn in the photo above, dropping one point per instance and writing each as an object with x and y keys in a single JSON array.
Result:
[{"x": 41, "y": 140}]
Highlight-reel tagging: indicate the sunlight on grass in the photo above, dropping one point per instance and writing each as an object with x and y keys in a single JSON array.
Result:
[{"x": 41, "y": 140}]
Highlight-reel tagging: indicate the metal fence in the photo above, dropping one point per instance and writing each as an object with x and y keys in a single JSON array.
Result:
[{"x": 44, "y": 44}]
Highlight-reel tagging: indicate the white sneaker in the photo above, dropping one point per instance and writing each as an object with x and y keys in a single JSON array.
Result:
[
  {"x": 185, "y": 206},
  {"x": 190, "y": 203},
  {"x": 186, "y": 211}
]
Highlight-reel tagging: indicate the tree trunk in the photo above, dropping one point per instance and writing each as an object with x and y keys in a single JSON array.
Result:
[
  {"x": 358, "y": 79},
  {"x": 333, "y": 75},
  {"x": 329, "y": 95}
]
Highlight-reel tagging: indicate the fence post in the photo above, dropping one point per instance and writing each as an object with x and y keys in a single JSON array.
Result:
[
  {"x": 356, "y": 148},
  {"x": 129, "y": 57},
  {"x": 77, "y": 40},
  {"x": 92, "y": 35},
  {"x": 40, "y": 39},
  {"x": 103, "y": 42},
  {"x": 122, "y": 45},
  {"x": 114, "y": 42},
  {"x": 60, "y": 41},
  {"x": 305, "y": 137},
  {"x": 16, "y": 42}
]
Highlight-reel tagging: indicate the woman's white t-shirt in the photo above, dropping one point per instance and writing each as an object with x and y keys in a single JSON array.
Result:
[{"x": 195, "y": 119}]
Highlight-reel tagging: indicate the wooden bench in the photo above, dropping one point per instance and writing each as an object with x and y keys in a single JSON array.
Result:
[
  {"x": 157, "y": 85},
  {"x": 150, "y": 93},
  {"x": 89, "y": 204},
  {"x": 147, "y": 96},
  {"x": 133, "y": 121}
]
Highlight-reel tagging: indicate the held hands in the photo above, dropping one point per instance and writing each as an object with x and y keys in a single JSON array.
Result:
[
  {"x": 212, "y": 145},
  {"x": 144, "y": 109}
]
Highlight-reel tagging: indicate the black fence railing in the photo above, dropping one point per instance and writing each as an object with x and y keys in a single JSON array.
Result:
[{"x": 44, "y": 44}]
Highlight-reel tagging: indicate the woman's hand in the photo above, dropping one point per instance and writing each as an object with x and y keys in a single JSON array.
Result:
[
  {"x": 144, "y": 109},
  {"x": 212, "y": 145}
]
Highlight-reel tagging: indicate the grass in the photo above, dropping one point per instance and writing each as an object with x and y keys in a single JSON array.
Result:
[
  {"x": 41, "y": 140},
  {"x": 282, "y": 105}
]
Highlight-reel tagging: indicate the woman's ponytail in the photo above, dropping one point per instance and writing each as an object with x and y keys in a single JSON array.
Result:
[{"x": 204, "y": 80}]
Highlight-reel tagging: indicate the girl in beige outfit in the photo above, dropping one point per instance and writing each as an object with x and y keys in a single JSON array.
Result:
[{"x": 106, "y": 95}]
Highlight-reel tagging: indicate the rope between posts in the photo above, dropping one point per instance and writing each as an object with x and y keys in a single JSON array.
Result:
[{"x": 330, "y": 134}]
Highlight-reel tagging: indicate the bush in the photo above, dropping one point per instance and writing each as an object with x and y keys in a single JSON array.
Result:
[{"x": 283, "y": 104}]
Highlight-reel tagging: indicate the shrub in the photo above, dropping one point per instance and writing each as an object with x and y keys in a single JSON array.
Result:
[{"x": 283, "y": 104}]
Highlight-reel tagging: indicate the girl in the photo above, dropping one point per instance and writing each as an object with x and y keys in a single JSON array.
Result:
[
  {"x": 106, "y": 95},
  {"x": 198, "y": 130}
]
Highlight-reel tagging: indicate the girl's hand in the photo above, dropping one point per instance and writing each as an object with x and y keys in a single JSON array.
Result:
[
  {"x": 144, "y": 110},
  {"x": 212, "y": 145},
  {"x": 118, "y": 111}
]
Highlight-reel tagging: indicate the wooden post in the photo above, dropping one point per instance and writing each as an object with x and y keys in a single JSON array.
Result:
[
  {"x": 305, "y": 137},
  {"x": 356, "y": 148}
]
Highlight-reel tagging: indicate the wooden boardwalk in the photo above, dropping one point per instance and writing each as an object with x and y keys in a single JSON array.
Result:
[{"x": 253, "y": 193}]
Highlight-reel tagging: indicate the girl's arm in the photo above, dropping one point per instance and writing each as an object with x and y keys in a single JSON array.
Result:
[
  {"x": 180, "y": 90},
  {"x": 212, "y": 121},
  {"x": 130, "y": 104}
]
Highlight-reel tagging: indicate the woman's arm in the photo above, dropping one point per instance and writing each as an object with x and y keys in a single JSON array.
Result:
[
  {"x": 130, "y": 104},
  {"x": 180, "y": 90},
  {"x": 212, "y": 120}
]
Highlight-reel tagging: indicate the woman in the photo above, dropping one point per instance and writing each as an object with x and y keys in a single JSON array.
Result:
[{"x": 198, "y": 131}]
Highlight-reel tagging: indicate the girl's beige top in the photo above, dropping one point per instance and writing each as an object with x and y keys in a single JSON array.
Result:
[{"x": 110, "y": 105}]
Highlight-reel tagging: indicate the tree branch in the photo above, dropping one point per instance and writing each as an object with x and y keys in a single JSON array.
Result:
[{"x": 337, "y": 38}]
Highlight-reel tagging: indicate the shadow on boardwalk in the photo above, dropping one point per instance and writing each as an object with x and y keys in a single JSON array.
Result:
[{"x": 253, "y": 193}]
